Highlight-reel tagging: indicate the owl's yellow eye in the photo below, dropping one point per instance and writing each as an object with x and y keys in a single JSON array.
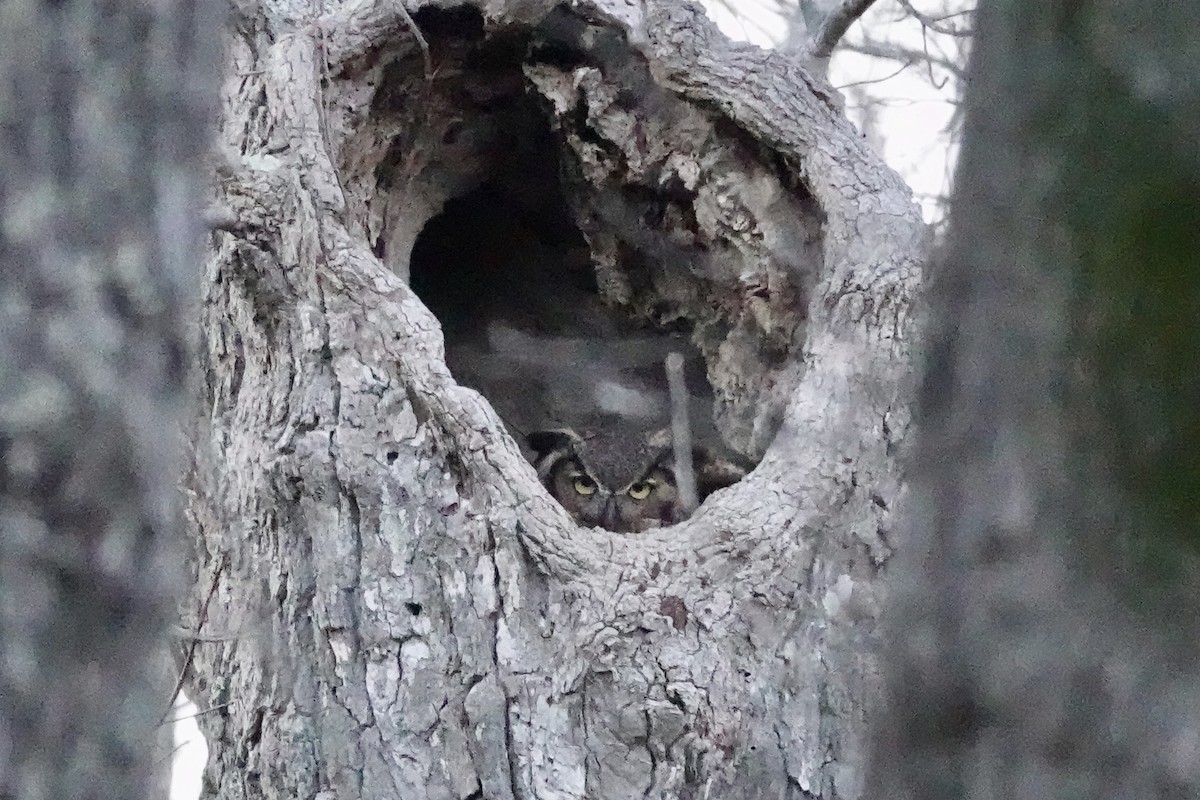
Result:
[
  {"x": 584, "y": 485},
  {"x": 640, "y": 490}
]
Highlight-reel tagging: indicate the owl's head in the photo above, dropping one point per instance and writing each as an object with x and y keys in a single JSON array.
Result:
[{"x": 622, "y": 482}]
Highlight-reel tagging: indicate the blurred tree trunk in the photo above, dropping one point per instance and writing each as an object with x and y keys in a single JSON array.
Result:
[
  {"x": 1045, "y": 605},
  {"x": 102, "y": 113},
  {"x": 389, "y": 604}
]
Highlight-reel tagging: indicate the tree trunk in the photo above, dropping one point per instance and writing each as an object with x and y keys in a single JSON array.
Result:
[
  {"x": 390, "y": 604},
  {"x": 1045, "y": 602},
  {"x": 103, "y": 109}
]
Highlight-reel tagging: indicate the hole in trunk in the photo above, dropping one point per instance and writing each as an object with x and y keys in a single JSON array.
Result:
[
  {"x": 511, "y": 280},
  {"x": 571, "y": 224}
]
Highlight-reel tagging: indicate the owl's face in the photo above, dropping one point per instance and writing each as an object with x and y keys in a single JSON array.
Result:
[
  {"x": 647, "y": 501},
  {"x": 620, "y": 483},
  {"x": 623, "y": 483}
]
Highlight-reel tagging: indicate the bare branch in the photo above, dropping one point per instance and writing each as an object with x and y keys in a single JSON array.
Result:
[
  {"x": 835, "y": 26},
  {"x": 905, "y": 55},
  {"x": 887, "y": 77},
  {"x": 937, "y": 24}
]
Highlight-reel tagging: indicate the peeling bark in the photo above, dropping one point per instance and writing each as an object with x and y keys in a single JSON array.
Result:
[{"x": 408, "y": 612}]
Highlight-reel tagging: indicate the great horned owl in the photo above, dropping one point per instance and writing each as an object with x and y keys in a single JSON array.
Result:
[{"x": 622, "y": 482}]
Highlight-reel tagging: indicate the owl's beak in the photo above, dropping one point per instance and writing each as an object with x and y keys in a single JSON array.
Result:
[{"x": 610, "y": 518}]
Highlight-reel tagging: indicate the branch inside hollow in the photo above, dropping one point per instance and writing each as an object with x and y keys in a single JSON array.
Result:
[{"x": 681, "y": 434}]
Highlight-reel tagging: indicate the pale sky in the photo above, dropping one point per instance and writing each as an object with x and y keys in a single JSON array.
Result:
[
  {"x": 912, "y": 115},
  {"x": 190, "y": 754}
]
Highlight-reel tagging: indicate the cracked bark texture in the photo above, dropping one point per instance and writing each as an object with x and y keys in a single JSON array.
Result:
[
  {"x": 103, "y": 112},
  {"x": 398, "y": 609}
]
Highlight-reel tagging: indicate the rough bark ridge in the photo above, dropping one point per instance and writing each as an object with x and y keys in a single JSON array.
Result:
[{"x": 406, "y": 612}]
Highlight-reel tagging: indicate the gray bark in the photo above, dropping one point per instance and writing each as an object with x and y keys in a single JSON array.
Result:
[
  {"x": 391, "y": 603},
  {"x": 1045, "y": 600},
  {"x": 103, "y": 110}
]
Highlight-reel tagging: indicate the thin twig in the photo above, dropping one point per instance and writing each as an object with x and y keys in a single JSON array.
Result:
[
  {"x": 928, "y": 63},
  {"x": 187, "y": 635},
  {"x": 876, "y": 80},
  {"x": 200, "y": 712},
  {"x": 681, "y": 434},
  {"x": 201, "y": 618},
  {"x": 906, "y": 55},
  {"x": 835, "y": 26},
  {"x": 935, "y": 23},
  {"x": 171, "y": 753},
  {"x": 424, "y": 45}
]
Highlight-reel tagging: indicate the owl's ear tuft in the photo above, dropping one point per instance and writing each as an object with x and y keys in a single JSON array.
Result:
[
  {"x": 714, "y": 472},
  {"x": 549, "y": 441}
]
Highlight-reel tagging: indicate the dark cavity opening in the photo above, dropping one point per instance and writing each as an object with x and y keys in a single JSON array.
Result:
[{"x": 510, "y": 278}]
